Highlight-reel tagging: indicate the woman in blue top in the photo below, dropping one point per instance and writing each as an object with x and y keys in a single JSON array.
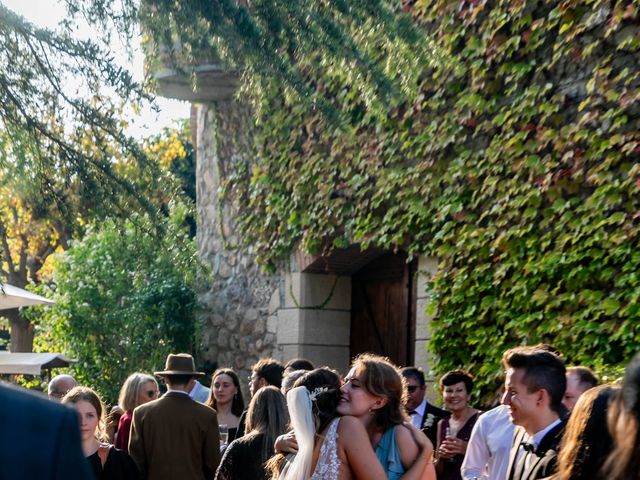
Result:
[{"x": 373, "y": 392}]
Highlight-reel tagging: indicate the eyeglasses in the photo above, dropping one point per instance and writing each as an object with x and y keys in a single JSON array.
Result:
[{"x": 412, "y": 388}]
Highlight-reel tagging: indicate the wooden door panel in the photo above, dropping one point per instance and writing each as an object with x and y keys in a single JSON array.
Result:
[{"x": 380, "y": 312}]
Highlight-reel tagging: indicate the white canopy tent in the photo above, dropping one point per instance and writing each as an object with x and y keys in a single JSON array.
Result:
[
  {"x": 14, "y": 297},
  {"x": 31, "y": 363}
]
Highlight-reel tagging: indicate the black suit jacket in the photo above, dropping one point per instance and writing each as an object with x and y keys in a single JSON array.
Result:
[
  {"x": 39, "y": 438},
  {"x": 429, "y": 425},
  {"x": 544, "y": 461}
]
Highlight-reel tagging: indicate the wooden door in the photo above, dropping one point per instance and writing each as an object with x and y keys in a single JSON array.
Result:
[{"x": 382, "y": 309}]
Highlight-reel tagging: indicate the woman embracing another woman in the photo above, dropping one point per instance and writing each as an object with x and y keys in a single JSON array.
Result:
[{"x": 337, "y": 426}]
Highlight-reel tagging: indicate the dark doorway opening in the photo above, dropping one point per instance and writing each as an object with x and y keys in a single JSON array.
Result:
[{"x": 383, "y": 310}]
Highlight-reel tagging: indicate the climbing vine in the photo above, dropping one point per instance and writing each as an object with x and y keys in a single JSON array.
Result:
[
  {"x": 514, "y": 162},
  {"x": 500, "y": 136}
]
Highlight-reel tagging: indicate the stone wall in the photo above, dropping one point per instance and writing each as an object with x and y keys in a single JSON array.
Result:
[{"x": 237, "y": 329}]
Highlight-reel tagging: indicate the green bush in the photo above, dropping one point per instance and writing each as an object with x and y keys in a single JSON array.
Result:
[{"x": 125, "y": 299}]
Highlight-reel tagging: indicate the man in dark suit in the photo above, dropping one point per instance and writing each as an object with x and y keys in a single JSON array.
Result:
[
  {"x": 39, "y": 439},
  {"x": 423, "y": 414},
  {"x": 175, "y": 437},
  {"x": 264, "y": 372},
  {"x": 534, "y": 387}
]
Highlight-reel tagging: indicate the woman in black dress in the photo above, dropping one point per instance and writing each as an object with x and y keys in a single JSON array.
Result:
[
  {"x": 107, "y": 462},
  {"x": 226, "y": 399},
  {"x": 454, "y": 432},
  {"x": 245, "y": 457}
]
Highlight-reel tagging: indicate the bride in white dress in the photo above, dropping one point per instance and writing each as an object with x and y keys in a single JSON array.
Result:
[{"x": 331, "y": 447}]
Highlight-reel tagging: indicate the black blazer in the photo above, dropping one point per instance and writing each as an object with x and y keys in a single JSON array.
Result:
[
  {"x": 429, "y": 425},
  {"x": 39, "y": 438},
  {"x": 544, "y": 463}
]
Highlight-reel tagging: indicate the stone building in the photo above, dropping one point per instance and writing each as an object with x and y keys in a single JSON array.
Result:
[{"x": 326, "y": 309}]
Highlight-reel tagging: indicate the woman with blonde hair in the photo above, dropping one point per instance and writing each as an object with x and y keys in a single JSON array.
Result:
[
  {"x": 226, "y": 399},
  {"x": 107, "y": 462},
  {"x": 245, "y": 457},
  {"x": 138, "y": 389},
  {"x": 586, "y": 441}
]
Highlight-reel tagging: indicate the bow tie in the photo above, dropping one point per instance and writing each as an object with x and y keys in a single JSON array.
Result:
[{"x": 528, "y": 447}]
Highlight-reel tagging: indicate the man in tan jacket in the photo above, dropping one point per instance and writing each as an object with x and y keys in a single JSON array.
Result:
[{"x": 175, "y": 437}]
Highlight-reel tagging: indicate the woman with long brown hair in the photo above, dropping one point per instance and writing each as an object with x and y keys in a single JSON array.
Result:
[
  {"x": 374, "y": 392},
  {"x": 107, "y": 462},
  {"x": 332, "y": 447},
  {"x": 586, "y": 441},
  {"x": 624, "y": 425},
  {"x": 226, "y": 399},
  {"x": 246, "y": 456}
]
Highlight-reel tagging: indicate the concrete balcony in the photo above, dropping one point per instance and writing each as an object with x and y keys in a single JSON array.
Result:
[{"x": 206, "y": 82}]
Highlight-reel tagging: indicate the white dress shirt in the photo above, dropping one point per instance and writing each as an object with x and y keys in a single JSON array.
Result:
[
  {"x": 418, "y": 413},
  {"x": 199, "y": 393},
  {"x": 489, "y": 446}
]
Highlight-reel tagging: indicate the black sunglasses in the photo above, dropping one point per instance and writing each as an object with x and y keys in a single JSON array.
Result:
[{"x": 412, "y": 388}]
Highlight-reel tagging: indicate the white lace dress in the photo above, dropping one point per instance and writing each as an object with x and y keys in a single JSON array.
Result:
[{"x": 328, "y": 466}]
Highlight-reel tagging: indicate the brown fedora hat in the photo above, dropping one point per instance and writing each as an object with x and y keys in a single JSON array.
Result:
[{"x": 180, "y": 364}]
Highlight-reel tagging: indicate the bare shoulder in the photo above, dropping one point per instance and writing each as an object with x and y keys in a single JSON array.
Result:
[
  {"x": 404, "y": 435},
  {"x": 351, "y": 427}
]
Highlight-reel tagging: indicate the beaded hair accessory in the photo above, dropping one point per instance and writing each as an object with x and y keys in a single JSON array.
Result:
[{"x": 316, "y": 392}]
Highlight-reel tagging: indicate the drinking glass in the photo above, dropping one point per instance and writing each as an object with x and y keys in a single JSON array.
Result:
[{"x": 224, "y": 434}]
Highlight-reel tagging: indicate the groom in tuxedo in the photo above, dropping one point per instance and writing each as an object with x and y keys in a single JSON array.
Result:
[
  {"x": 423, "y": 414},
  {"x": 534, "y": 387}
]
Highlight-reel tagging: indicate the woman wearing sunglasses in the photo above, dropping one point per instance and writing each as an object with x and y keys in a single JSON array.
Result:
[{"x": 138, "y": 388}]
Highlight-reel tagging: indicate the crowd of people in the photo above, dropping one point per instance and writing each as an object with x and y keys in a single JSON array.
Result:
[{"x": 312, "y": 423}]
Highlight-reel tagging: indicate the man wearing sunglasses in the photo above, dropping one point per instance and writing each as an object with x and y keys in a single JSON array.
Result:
[{"x": 423, "y": 414}]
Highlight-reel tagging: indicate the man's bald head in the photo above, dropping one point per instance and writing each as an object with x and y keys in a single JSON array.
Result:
[
  {"x": 59, "y": 386},
  {"x": 579, "y": 380}
]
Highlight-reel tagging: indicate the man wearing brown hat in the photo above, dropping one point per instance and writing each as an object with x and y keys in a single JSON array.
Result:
[{"x": 175, "y": 437}]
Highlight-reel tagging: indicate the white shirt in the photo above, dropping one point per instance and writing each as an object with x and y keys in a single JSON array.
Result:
[
  {"x": 538, "y": 436},
  {"x": 199, "y": 393},
  {"x": 416, "y": 417},
  {"x": 535, "y": 441},
  {"x": 489, "y": 445}
]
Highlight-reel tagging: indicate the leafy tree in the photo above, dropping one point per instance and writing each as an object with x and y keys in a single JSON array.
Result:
[
  {"x": 124, "y": 299},
  {"x": 500, "y": 137},
  {"x": 60, "y": 101},
  {"x": 31, "y": 228},
  {"x": 61, "y": 139}
]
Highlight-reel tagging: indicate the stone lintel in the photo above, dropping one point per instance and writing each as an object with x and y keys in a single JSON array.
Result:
[{"x": 314, "y": 290}]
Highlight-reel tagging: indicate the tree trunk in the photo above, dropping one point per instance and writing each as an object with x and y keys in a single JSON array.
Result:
[{"x": 21, "y": 331}]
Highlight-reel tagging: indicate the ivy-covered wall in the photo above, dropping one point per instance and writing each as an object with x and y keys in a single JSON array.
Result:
[{"x": 510, "y": 151}]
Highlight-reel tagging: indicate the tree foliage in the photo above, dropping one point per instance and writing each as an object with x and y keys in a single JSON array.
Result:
[
  {"x": 499, "y": 136},
  {"x": 124, "y": 300},
  {"x": 60, "y": 109}
]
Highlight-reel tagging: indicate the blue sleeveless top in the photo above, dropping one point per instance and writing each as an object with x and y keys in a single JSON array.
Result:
[{"x": 388, "y": 453}]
